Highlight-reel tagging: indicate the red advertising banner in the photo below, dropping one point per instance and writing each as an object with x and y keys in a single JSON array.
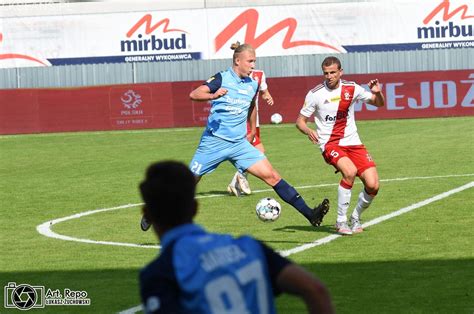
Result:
[{"x": 161, "y": 105}]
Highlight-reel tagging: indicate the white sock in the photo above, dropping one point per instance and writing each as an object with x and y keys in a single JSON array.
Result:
[
  {"x": 343, "y": 201},
  {"x": 363, "y": 203}
]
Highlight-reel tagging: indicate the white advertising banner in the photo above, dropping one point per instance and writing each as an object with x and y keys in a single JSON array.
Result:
[{"x": 208, "y": 33}]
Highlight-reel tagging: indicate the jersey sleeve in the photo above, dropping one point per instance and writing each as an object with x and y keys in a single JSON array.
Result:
[
  {"x": 263, "y": 83},
  {"x": 159, "y": 288},
  {"x": 214, "y": 82},
  {"x": 275, "y": 263},
  {"x": 362, "y": 94},
  {"x": 309, "y": 105}
]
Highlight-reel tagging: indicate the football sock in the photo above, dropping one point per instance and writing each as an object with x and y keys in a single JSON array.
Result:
[
  {"x": 362, "y": 204},
  {"x": 292, "y": 197},
  {"x": 344, "y": 193}
]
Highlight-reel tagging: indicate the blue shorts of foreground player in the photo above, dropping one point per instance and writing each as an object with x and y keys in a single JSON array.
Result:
[{"x": 213, "y": 150}]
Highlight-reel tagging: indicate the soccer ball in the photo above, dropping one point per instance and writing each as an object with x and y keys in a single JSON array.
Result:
[
  {"x": 268, "y": 209},
  {"x": 276, "y": 118}
]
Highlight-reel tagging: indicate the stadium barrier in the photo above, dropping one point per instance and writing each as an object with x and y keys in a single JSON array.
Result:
[{"x": 163, "y": 105}]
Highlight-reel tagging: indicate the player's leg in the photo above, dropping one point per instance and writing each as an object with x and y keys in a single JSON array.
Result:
[
  {"x": 233, "y": 187},
  {"x": 239, "y": 183},
  {"x": 241, "y": 178},
  {"x": 367, "y": 172},
  {"x": 337, "y": 156},
  {"x": 210, "y": 152},
  {"x": 263, "y": 170},
  {"x": 371, "y": 186},
  {"x": 344, "y": 193}
]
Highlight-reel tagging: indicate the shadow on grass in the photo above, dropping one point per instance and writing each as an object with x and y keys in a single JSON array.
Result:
[
  {"x": 420, "y": 286},
  {"x": 324, "y": 228},
  {"x": 110, "y": 291},
  {"x": 208, "y": 193}
]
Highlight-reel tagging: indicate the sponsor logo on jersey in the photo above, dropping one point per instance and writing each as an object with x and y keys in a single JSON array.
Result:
[{"x": 340, "y": 115}]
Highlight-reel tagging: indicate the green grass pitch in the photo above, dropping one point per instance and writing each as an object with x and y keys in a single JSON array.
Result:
[{"x": 418, "y": 262}]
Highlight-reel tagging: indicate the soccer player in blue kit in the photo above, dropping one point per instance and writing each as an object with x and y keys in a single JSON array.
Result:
[
  {"x": 232, "y": 94},
  {"x": 201, "y": 272}
]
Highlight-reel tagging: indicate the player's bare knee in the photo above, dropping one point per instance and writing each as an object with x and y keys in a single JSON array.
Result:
[
  {"x": 372, "y": 189},
  {"x": 350, "y": 176}
]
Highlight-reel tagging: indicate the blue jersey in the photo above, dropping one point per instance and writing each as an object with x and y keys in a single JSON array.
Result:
[
  {"x": 228, "y": 116},
  {"x": 200, "y": 272}
]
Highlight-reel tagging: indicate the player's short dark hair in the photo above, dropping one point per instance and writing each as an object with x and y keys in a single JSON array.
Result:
[
  {"x": 328, "y": 61},
  {"x": 168, "y": 192}
]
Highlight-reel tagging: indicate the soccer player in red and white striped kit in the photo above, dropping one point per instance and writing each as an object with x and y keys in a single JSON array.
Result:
[{"x": 332, "y": 103}]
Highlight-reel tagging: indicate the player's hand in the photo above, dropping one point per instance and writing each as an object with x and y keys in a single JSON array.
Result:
[
  {"x": 250, "y": 137},
  {"x": 374, "y": 86},
  {"x": 219, "y": 93},
  {"x": 313, "y": 136},
  {"x": 268, "y": 99}
]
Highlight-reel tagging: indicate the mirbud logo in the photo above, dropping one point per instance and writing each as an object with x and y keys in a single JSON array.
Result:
[
  {"x": 152, "y": 43},
  {"x": 450, "y": 30}
]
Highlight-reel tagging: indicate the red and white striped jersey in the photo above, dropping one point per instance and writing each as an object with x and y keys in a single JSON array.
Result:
[
  {"x": 334, "y": 112},
  {"x": 259, "y": 76}
]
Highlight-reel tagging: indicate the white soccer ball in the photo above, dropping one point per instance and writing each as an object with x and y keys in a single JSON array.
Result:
[
  {"x": 276, "y": 118},
  {"x": 268, "y": 209}
]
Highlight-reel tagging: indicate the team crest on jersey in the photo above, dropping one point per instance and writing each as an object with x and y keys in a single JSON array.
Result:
[{"x": 347, "y": 96}]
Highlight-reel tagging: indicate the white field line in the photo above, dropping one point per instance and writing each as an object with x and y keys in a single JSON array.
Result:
[
  {"x": 45, "y": 228},
  {"x": 132, "y": 310},
  {"x": 380, "y": 219},
  {"x": 333, "y": 237}
]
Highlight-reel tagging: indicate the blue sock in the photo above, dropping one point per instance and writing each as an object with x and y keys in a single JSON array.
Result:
[{"x": 292, "y": 197}]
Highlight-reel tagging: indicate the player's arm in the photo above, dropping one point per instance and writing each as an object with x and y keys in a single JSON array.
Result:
[
  {"x": 252, "y": 121},
  {"x": 159, "y": 291},
  {"x": 210, "y": 90},
  {"x": 293, "y": 279},
  {"x": 264, "y": 92},
  {"x": 302, "y": 125},
  {"x": 267, "y": 96},
  {"x": 377, "y": 99}
]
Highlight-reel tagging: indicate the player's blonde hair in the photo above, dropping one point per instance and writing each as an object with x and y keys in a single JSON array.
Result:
[{"x": 238, "y": 48}]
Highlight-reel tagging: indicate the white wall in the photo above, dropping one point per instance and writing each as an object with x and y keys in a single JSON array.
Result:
[{"x": 17, "y": 8}]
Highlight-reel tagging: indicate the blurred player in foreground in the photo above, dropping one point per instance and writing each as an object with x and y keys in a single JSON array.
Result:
[
  {"x": 201, "y": 272},
  {"x": 239, "y": 183},
  {"x": 332, "y": 103}
]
